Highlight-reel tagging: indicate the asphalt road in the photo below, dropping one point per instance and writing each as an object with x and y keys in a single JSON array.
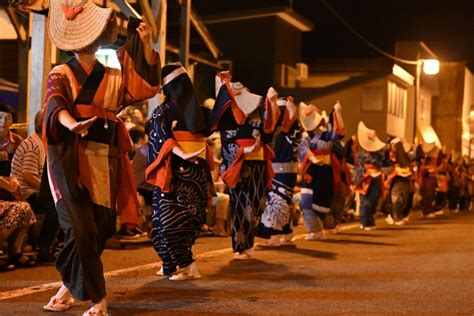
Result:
[{"x": 423, "y": 268}]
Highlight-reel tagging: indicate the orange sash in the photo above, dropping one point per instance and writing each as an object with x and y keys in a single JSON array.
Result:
[{"x": 232, "y": 175}]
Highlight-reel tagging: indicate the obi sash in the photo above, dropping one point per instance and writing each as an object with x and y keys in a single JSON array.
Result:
[
  {"x": 403, "y": 172},
  {"x": 371, "y": 172},
  {"x": 192, "y": 142},
  {"x": 232, "y": 175},
  {"x": 159, "y": 172},
  {"x": 126, "y": 177},
  {"x": 328, "y": 159}
]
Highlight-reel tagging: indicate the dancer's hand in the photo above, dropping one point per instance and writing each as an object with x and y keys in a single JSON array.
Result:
[
  {"x": 144, "y": 32},
  {"x": 338, "y": 107},
  {"x": 192, "y": 156},
  {"x": 254, "y": 147},
  {"x": 315, "y": 160},
  {"x": 82, "y": 127}
]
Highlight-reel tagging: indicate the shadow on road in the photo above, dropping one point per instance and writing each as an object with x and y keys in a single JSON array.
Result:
[
  {"x": 361, "y": 235},
  {"x": 402, "y": 228},
  {"x": 357, "y": 242},
  {"x": 303, "y": 251},
  {"x": 257, "y": 270}
]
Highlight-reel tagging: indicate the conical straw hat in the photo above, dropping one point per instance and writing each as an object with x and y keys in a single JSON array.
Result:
[
  {"x": 76, "y": 24},
  {"x": 368, "y": 139},
  {"x": 309, "y": 118}
]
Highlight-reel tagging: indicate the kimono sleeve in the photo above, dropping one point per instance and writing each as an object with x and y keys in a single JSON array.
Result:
[
  {"x": 160, "y": 132},
  {"x": 305, "y": 147},
  {"x": 58, "y": 98},
  {"x": 140, "y": 80}
]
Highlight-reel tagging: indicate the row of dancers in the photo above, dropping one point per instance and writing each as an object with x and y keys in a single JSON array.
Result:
[{"x": 265, "y": 143}]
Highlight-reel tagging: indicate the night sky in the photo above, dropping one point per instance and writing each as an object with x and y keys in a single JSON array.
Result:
[{"x": 446, "y": 26}]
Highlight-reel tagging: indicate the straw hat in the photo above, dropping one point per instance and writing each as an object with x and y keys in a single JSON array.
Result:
[
  {"x": 368, "y": 139},
  {"x": 309, "y": 115},
  {"x": 76, "y": 24}
]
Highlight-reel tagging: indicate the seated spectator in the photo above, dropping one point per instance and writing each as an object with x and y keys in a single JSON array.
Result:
[
  {"x": 137, "y": 117},
  {"x": 9, "y": 140},
  {"x": 218, "y": 214},
  {"x": 139, "y": 163},
  {"x": 27, "y": 166},
  {"x": 127, "y": 120},
  {"x": 15, "y": 219}
]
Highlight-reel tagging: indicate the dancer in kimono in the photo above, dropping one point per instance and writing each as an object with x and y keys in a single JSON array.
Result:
[
  {"x": 399, "y": 184},
  {"x": 426, "y": 177},
  {"x": 321, "y": 168},
  {"x": 180, "y": 170},
  {"x": 246, "y": 132},
  {"x": 275, "y": 222},
  {"x": 368, "y": 179},
  {"x": 90, "y": 175}
]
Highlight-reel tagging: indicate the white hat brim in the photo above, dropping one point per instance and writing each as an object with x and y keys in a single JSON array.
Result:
[
  {"x": 371, "y": 144},
  {"x": 309, "y": 122}
]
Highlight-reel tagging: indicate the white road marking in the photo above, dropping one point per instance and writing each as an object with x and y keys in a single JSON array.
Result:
[
  {"x": 155, "y": 265},
  {"x": 49, "y": 286}
]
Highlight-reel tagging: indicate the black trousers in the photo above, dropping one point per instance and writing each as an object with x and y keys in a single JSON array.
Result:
[{"x": 86, "y": 228}]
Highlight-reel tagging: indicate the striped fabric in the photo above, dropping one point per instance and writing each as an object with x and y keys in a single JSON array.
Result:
[{"x": 29, "y": 157}]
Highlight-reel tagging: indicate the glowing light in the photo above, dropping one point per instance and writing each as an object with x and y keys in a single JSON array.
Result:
[
  {"x": 108, "y": 57},
  {"x": 431, "y": 66}
]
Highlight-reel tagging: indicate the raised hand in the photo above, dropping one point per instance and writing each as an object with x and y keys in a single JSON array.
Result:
[
  {"x": 254, "y": 147},
  {"x": 144, "y": 32}
]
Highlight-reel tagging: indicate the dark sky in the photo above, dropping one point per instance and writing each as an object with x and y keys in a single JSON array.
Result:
[{"x": 446, "y": 26}]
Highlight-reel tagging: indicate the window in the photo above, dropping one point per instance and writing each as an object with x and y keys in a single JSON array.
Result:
[{"x": 397, "y": 100}]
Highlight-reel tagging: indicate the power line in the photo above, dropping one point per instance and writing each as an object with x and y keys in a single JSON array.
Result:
[{"x": 366, "y": 41}]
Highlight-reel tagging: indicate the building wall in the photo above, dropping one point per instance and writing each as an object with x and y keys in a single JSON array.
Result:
[
  {"x": 256, "y": 48},
  {"x": 448, "y": 107},
  {"x": 351, "y": 100}
]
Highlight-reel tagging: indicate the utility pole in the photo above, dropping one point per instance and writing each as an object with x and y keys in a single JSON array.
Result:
[{"x": 184, "y": 34}]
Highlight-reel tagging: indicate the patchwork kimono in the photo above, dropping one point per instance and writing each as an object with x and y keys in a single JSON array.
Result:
[
  {"x": 91, "y": 176},
  {"x": 276, "y": 217}
]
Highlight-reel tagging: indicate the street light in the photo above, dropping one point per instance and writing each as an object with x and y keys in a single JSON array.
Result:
[{"x": 431, "y": 66}]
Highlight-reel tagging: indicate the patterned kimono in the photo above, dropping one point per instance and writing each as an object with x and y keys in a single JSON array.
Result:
[
  {"x": 248, "y": 176},
  {"x": 247, "y": 197},
  {"x": 91, "y": 176},
  {"x": 368, "y": 180},
  {"x": 179, "y": 204},
  {"x": 276, "y": 217},
  {"x": 319, "y": 180}
]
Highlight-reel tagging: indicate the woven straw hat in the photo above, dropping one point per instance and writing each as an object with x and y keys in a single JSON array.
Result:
[
  {"x": 368, "y": 139},
  {"x": 309, "y": 118},
  {"x": 76, "y": 24}
]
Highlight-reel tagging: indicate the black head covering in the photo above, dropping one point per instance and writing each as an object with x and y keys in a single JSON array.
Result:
[
  {"x": 181, "y": 91},
  {"x": 401, "y": 155}
]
